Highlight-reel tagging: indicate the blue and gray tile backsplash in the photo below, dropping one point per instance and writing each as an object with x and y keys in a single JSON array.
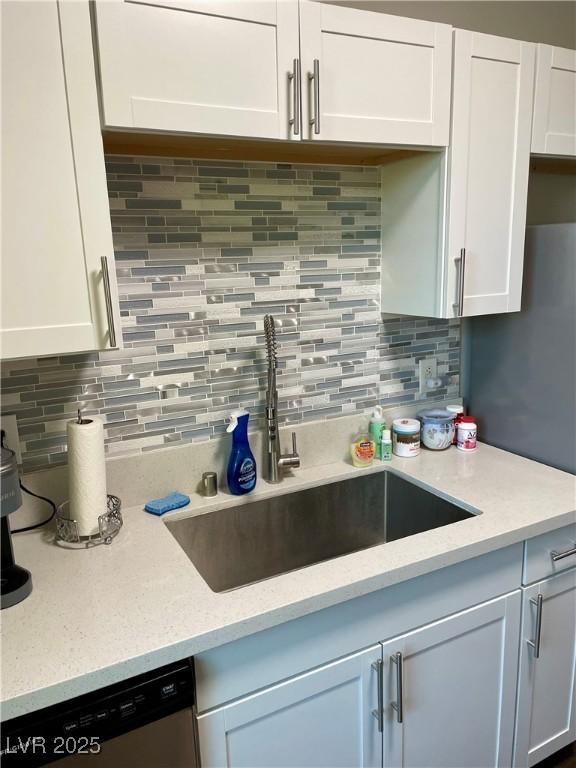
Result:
[{"x": 203, "y": 250}]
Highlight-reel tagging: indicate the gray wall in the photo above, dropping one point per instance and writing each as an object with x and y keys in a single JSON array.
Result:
[
  {"x": 541, "y": 22},
  {"x": 521, "y": 380},
  {"x": 551, "y": 198}
]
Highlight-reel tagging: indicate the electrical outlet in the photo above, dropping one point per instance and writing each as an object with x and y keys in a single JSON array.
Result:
[
  {"x": 428, "y": 370},
  {"x": 12, "y": 441}
]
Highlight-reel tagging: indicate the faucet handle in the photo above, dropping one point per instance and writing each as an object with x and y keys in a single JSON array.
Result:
[{"x": 290, "y": 460}]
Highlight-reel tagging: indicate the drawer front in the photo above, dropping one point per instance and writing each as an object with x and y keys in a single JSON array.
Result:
[{"x": 549, "y": 554}]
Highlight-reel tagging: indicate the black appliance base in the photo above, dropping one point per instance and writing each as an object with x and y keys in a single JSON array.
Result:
[{"x": 16, "y": 585}]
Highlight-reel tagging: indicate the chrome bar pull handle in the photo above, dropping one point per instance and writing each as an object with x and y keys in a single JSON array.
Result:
[
  {"x": 315, "y": 76},
  {"x": 397, "y": 705},
  {"x": 294, "y": 78},
  {"x": 378, "y": 667},
  {"x": 108, "y": 300},
  {"x": 535, "y": 644},
  {"x": 561, "y": 555},
  {"x": 462, "y": 281},
  {"x": 294, "y": 446},
  {"x": 461, "y": 261}
]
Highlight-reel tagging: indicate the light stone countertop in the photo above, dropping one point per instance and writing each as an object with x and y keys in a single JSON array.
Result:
[{"x": 102, "y": 615}]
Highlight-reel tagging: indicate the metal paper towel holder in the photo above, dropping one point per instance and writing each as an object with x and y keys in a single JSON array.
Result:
[{"x": 109, "y": 525}]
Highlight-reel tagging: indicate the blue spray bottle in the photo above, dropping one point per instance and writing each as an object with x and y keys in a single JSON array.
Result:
[{"x": 241, "y": 473}]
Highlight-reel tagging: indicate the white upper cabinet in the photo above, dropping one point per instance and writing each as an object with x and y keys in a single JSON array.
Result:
[
  {"x": 199, "y": 66},
  {"x": 371, "y": 77},
  {"x": 488, "y": 173},
  {"x": 453, "y": 226},
  {"x": 554, "y": 125},
  {"x": 56, "y": 220},
  {"x": 267, "y": 70}
]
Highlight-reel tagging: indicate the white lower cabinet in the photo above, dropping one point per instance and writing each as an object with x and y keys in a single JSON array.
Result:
[
  {"x": 546, "y": 719},
  {"x": 449, "y": 690},
  {"x": 447, "y": 699},
  {"x": 322, "y": 719}
]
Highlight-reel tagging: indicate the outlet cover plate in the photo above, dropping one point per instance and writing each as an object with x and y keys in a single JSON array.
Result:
[
  {"x": 428, "y": 369},
  {"x": 10, "y": 426}
]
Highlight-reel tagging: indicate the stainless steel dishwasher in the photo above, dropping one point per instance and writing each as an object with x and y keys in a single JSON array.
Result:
[{"x": 148, "y": 721}]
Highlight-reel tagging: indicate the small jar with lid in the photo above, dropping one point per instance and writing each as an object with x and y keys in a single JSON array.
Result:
[
  {"x": 437, "y": 428},
  {"x": 406, "y": 437}
]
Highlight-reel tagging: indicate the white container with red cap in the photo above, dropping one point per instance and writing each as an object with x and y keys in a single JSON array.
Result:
[
  {"x": 467, "y": 434},
  {"x": 457, "y": 411}
]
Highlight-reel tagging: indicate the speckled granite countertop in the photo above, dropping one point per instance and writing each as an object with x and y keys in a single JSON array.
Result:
[{"x": 99, "y": 616}]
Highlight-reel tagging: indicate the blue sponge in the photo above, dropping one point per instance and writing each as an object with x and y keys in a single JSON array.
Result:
[{"x": 167, "y": 503}]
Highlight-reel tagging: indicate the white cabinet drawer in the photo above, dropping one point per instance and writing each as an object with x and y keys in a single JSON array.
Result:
[{"x": 548, "y": 554}]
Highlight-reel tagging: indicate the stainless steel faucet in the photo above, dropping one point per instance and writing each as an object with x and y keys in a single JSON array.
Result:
[{"x": 275, "y": 459}]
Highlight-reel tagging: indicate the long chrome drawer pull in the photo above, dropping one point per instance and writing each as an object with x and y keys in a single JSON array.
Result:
[
  {"x": 538, "y": 633},
  {"x": 397, "y": 705},
  {"x": 315, "y": 75},
  {"x": 108, "y": 300},
  {"x": 378, "y": 713},
  {"x": 461, "y": 261},
  {"x": 294, "y": 78},
  {"x": 561, "y": 555}
]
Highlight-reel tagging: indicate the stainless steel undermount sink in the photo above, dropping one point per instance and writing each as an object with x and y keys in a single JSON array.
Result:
[{"x": 240, "y": 545}]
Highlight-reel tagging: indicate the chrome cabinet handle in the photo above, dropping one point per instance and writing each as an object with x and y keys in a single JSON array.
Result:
[
  {"x": 196, "y": 736},
  {"x": 561, "y": 555},
  {"x": 108, "y": 300},
  {"x": 397, "y": 705},
  {"x": 461, "y": 261},
  {"x": 535, "y": 644},
  {"x": 294, "y": 78},
  {"x": 315, "y": 76},
  {"x": 378, "y": 667}
]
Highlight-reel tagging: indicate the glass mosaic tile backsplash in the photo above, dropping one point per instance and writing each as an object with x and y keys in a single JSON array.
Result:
[{"x": 204, "y": 249}]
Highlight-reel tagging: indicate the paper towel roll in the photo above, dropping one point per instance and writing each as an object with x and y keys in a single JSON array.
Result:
[{"x": 86, "y": 474}]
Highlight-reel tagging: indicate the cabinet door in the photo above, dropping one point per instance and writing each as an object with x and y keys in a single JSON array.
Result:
[
  {"x": 56, "y": 220},
  {"x": 554, "y": 125},
  {"x": 201, "y": 66},
  {"x": 321, "y": 719},
  {"x": 489, "y": 165},
  {"x": 371, "y": 77},
  {"x": 546, "y": 719},
  {"x": 457, "y": 679}
]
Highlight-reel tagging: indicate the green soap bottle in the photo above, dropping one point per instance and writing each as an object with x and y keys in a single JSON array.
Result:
[
  {"x": 386, "y": 445},
  {"x": 376, "y": 427}
]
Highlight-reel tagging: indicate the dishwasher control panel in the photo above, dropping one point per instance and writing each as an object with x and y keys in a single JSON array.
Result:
[{"x": 81, "y": 725}]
